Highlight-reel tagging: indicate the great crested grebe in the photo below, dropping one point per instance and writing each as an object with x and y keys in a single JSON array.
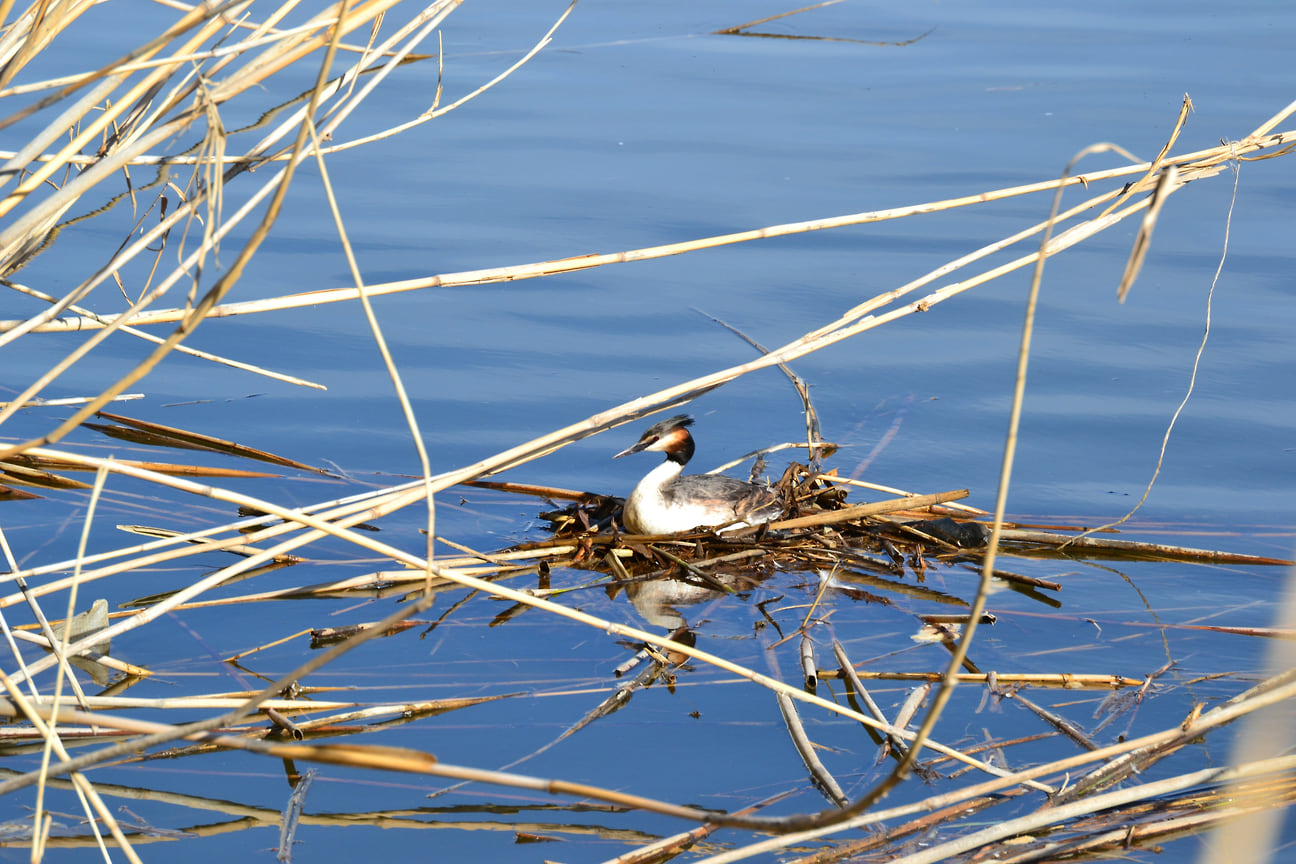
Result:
[{"x": 665, "y": 502}]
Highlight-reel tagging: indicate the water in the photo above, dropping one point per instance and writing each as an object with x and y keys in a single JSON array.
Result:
[{"x": 637, "y": 127}]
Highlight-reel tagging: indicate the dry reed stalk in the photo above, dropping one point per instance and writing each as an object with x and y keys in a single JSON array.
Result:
[
  {"x": 363, "y": 507},
  {"x": 891, "y": 490},
  {"x": 1130, "y": 548},
  {"x": 345, "y": 713},
  {"x": 387, "y": 759},
  {"x": 959, "y": 653},
  {"x": 823, "y": 779},
  {"x": 223, "y": 284},
  {"x": 183, "y": 349},
  {"x": 17, "y": 236},
  {"x": 1272, "y": 691},
  {"x": 370, "y": 499},
  {"x": 385, "y": 579},
  {"x": 737, "y": 27},
  {"x": 102, "y": 659},
  {"x": 1048, "y": 816},
  {"x": 51, "y": 739},
  {"x": 402, "y": 396},
  {"x": 267, "y": 63},
  {"x": 893, "y": 745},
  {"x": 156, "y": 433},
  {"x": 190, "y": 703},
  {"x": 916, "y": 502},
  {"x": 71, "y": 400},
  {"x": 159, "y": 467},
  {"x": 1194, "y": 165},
  {"x": 1050, "y": 680}
]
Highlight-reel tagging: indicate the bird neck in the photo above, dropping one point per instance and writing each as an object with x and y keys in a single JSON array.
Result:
[
  {"x": 662, "y": 475},
  {"x": 682, "y": 452}
]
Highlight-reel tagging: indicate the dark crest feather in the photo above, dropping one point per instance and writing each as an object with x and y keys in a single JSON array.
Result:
[{"x": 676, "y": 422}]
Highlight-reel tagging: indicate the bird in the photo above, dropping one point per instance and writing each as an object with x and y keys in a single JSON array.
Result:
[{"x": 666, "y": 501}]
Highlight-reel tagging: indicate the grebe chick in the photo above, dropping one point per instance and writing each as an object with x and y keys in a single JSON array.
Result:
[{"x": 666, "y": 503}]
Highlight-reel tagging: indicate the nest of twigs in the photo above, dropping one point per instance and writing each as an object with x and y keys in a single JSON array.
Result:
[{"x": 823, "y": 529}]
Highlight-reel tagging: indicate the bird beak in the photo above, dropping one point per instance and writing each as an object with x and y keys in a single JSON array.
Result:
[{"x": 635, "y": 449}]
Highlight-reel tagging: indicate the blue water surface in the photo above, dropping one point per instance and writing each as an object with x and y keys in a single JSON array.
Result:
[{"x": 640, "y": 126}]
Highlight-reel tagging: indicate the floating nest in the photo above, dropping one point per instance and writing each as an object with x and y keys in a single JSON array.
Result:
[{"x": 859, "y": 546}]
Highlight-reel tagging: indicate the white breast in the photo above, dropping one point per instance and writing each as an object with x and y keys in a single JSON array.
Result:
[
  {"x": 645, "y": 510},
  {"x": 659, "y": 506}
]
